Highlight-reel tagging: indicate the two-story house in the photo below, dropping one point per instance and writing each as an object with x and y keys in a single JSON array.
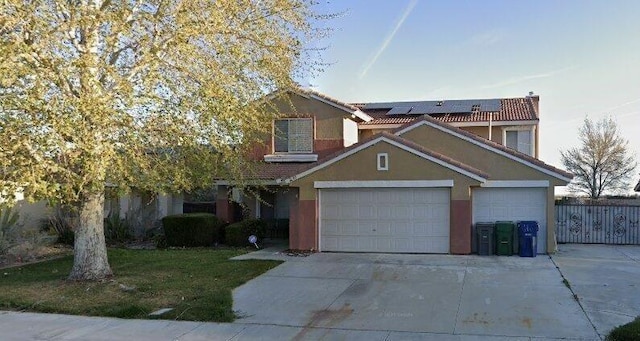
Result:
[
  {"x": 402, "y": 177},
  {"x": 512, "y": 122}
]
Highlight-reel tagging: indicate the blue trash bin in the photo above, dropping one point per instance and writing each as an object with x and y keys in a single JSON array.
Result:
[{"x": 527, "y": 238}]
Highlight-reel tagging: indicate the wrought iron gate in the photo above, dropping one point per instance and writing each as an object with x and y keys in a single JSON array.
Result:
[{"x": 597, "y": 224}]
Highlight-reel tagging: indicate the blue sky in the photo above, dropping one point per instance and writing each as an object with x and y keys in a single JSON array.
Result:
[{"x": 581, "y": 57}]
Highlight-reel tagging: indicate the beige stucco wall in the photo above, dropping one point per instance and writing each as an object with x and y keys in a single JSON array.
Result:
[
  {"x": 499, "y": 167},
  {"x": 496, "y": 132},
  {"x": 328, "y": 119},
  {"x": 403, "y": 165},
  {"x": 367, "y": 133}
]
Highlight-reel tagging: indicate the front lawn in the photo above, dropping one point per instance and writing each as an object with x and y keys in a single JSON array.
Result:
[{"x": 197, "y": 283}]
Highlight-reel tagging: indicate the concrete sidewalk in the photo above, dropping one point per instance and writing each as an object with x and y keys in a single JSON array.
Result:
[{"x": 16, "y": 326}]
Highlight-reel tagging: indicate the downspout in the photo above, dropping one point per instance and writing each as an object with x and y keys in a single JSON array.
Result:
[{"x": 490, "y": 124}]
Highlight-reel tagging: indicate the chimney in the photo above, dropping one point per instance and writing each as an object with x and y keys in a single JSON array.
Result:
[{"x": 535, "y": 99}]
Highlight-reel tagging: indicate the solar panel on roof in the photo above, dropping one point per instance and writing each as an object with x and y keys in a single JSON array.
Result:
[
  {"x": 388, "y": 105},
  {"x": 399, "y": 111},
  {"x": 438, "y": 107}
]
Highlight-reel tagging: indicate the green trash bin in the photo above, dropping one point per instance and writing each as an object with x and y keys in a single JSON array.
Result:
[{"x": 504, "y": 238}]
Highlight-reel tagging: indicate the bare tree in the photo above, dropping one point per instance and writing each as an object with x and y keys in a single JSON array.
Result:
[
  {"x": 603, "y": 163},
  {"x": 151, "y": 94}
]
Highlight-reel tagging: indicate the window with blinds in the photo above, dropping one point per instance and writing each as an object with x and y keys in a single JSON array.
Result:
[
  {"x": 293, "y": 135},
  {"x": 520, "y": 140}
]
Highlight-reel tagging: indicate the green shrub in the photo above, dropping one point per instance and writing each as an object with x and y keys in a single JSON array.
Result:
[
  {"x": 237, "y": 234},
  {"x": 193, "y": 229},
  {"x": 117, "y": 230},
  {"x": 160, "y": 241},
  {"x": 62, "y": 224},
  {"x": 626, "y": 332},
  {"x": 8, "y": 221}
]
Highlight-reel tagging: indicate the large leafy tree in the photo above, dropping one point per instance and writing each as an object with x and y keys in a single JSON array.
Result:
[
  {"x": 151, "y": 94},
  {"x": 602, "y": 164}
]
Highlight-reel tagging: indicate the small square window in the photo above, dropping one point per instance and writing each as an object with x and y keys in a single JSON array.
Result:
[{"x": 383, "y": 161}]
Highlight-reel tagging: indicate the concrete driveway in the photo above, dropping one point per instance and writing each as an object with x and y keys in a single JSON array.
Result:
[
  {"x": 388, "y": 297},
  {"x": 606, "y": 280}
]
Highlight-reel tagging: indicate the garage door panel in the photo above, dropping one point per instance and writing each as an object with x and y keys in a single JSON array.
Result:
[
  {"x": 512, "y": 204},
  {"x": 366, "y": 211},
  {"x": 385, "y": 220}
]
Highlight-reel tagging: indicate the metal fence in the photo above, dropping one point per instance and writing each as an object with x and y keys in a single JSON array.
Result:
[{"x": 595, "y": 224}]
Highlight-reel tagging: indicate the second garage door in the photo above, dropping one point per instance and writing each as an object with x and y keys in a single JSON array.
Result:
[
  {"x": 402, "y": 220},
  {"x": 512, "y": 204}
]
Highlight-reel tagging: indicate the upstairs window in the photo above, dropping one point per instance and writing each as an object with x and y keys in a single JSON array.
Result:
[
  {"x": 520, "y": 140},
  {"x": 293, "y": 135}
]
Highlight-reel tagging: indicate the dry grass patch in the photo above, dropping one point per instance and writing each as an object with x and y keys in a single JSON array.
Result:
[{"x": 197, "y": 283}]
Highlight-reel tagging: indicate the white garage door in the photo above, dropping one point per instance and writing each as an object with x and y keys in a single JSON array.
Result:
[
  {"x": 385, "y": 220},
  {"x": 512, "y": 204}
]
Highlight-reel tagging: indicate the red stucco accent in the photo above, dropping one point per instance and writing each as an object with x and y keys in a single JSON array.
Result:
[
  {"x": 258, "y": 151},
  {"x": 327, "y": 147},
  {"x": 302, "y": 225},
  {"x": 224, "y": 210},
  {"x": 460, "y": 233}
]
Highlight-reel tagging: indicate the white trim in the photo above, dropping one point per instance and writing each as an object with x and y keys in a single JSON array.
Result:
[
  {"x": 319, "y": 220},
  {"x": 532, "y": 137},
  {"x": 493, "y": 123},
  {"x": 361, "y": 115},
  {"x": 485, "y": 146},
  {"x": 383, "y": 184},
  {"x": 379, "y": 158},
  {"x": 393, "y": 143},
  {"x": 258, "y": 211},
  {"x": 516, "y": 183},
  {"x": 249, "y": 183},
  {"x": 455, "y": 124},
  {"x": 285, "y": 157},
  {"x": 380, "y": 126},
  {"x": 490, "y": 125}
]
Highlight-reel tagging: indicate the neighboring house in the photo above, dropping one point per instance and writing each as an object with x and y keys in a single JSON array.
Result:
[
  {"x": 143, "y": 210},
  {"x": 409, "y": 177}
]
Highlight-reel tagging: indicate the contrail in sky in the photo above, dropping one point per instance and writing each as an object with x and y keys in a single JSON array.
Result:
[
  {"x": 528, "y": 77},
  {"x": 389, "y": 38}
]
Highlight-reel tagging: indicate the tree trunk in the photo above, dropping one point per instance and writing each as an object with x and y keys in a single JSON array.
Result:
[{"x": 90, "y": 250}]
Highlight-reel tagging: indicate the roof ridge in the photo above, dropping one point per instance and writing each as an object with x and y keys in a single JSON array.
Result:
[
  {"x": 404, "y": 142},
  {"x": 487, "y": 142}
]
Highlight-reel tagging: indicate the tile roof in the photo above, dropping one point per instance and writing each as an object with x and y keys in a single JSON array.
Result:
[
  {"x": 328, "y": 98},
  {"x": 489, "y": 143},
  {"x": 277, "y": 170},
  {"x": 272, "y": 171},
  {"x": 436, "y": 155},
  {"x": 390, "y": 120},
  {"x": 512, "y": 109}
]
